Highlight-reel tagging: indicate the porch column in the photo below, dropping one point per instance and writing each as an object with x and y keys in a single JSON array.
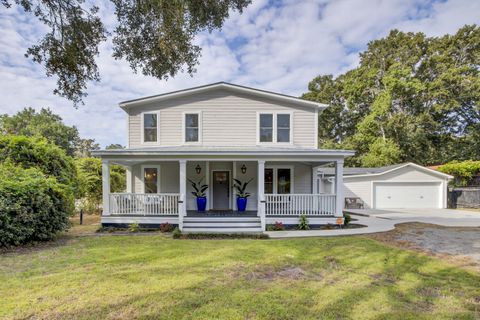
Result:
[
  {"x": 260, "y": 192},
  {"x": 128, "y": 178},
  {"x": 106, "y": 187},
  {"x": 182, "y": 206},
  {"x": 339, "y": 188}
]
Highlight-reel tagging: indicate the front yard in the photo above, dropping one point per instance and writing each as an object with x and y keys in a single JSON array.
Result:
[{"x": 154, "y": 276}]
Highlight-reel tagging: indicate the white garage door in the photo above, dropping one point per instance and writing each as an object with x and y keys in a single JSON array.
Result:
[{"x": 406, "y": 195}]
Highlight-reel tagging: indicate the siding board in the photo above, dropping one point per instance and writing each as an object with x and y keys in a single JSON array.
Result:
[{"x": 228, "y": 120}]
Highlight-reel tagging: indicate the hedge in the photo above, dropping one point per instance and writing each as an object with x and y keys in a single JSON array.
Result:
[
  {"x": 462, "y": 171},
  {"x": 36, "y": 152},
  {"x": 33, "y": 206}
]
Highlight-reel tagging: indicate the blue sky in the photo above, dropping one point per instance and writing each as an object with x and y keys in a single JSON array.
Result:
[{"x": 273, "y": 45}]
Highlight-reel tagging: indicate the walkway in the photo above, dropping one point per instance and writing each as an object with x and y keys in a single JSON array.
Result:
[{"x": 385, "y": 220}]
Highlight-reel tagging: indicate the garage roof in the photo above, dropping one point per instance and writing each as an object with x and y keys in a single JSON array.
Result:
[{"x": 350, "y": 172}]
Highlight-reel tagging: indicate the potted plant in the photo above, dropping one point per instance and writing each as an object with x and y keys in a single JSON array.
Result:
[
  {"x": 241, "y": 194},
  {"x": 199, "y": 193}
]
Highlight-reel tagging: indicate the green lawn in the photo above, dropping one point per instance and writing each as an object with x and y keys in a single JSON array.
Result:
[{"x": 155, "y": 277}]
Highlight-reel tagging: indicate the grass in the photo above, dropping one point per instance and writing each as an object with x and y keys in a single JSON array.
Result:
[{"x": 156, "y": 277}]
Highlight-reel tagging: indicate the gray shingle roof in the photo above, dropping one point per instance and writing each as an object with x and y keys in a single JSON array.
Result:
[{"x": 357, "y": 171}]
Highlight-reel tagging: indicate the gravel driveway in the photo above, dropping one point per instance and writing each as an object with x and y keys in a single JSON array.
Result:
[{"x": 458, "y": 244}]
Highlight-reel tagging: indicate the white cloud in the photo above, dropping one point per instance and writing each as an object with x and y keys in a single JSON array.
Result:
[{"x": 278, "y": 46}]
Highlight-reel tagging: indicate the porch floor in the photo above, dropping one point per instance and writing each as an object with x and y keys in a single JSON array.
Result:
[{"x": 221, "y": 213}]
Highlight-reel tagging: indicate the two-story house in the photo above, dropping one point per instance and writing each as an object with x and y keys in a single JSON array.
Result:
[{"x": 217, "y": 133}]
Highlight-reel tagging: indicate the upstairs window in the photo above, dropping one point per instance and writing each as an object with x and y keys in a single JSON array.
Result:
[
  {"x": 150, "y": 127},
  {"x": 266, "y": 127},
  {"x": 192, "y": 127},
  {"x": 283, "y": 127},
  {"x": 275, "y": 127}
]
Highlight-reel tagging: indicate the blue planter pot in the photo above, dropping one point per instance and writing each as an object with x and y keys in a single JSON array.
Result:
[
  {"x": 241, "y": 204},
  {"x": 201, "y": 204}
]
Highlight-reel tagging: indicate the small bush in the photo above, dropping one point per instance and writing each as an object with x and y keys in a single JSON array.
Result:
[
  {"x": 134, "y": 227},
  {"x": 278, "y": 226},
  {"x": 177, "y": 233},
  {"x": 347, "y": 219},
  {"x": 33, "y": 206},
  {"x": 166, "y": 227},
  {"x": 303, "y": 223}
]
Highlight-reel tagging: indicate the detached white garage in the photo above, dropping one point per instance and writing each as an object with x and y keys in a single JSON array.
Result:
[{"x": 406, "y": 185}]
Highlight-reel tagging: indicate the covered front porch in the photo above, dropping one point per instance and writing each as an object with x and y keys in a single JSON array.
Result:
[{"x": 282, "y": 189}]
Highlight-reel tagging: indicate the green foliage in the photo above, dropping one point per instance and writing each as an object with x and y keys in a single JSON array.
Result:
[
  {"x": 347, "y": 219},
  {"x": 381, "y": 153},
  {"x": 33, "y": 206},
  {"x": 45, "y": 123},
  {"x": 84, "y": 147},
  {"x": 35, "y": 152},
  {"x": 462, "y": 171},
  {"x": 90, "y": 182},
  {"x": 114, "y": 146},
  {"x": 199, "y": 188},
  {"x": 134, "y": 227},
  {"x": 177, "y": 234},
  {"x": 303, "y": 223},
  {"x": 241, "y": 186},
  {"x": 154, "y": 36},
  {"x": 412, "y": 98}
]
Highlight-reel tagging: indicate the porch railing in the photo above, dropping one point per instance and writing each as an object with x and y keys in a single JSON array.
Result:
[
  {"x": 299, "y": 204},
  {"x": 144, "y": 203}
]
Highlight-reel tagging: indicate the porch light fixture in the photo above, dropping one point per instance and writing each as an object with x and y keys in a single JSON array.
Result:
[
  {"x": 198, "y": 169},
  {"x": 244, "y": 169}
]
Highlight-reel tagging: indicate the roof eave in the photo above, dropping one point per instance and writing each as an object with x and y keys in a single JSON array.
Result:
[{"x": 126, "y": 105}]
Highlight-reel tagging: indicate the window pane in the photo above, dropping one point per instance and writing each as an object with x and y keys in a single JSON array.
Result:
[
  {"x": 150, "y": 177},
  {"x": 268, "y": 181},
  {"x": 191, "y": 134},
  {"x": 150, "y": 120},
  {"x": 283, "y": 121},
  {"x": 266, "y": 120},
  {"x": 191, "y": 120},
  {"x": 283, "y": 181},
  {"x": 150, "y": 135},
  {"x": 283, "y": 135},
  {"x": 266, "y": 135}
]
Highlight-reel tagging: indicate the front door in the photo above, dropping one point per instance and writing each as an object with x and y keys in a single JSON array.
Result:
[{"x": 221, "y": 188}]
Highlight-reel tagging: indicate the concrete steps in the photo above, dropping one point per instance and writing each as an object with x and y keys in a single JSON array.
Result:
[{"x": 222, "y": 225}]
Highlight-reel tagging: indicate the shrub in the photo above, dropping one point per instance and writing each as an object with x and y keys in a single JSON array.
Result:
[
  {"x": 303, "y": 223},
  {"x": 177, "y": 233},
  {"x": 90, "y": 182},
  {"x": 166, "y": 227},
  {"x": 134, "y": 227},
  {"x": 33, "y": 206},
  {"x": 463, "y": 172},
  {"x": 278, "y": 226},
  {"x": 35, "y": 152},
  {"x": 347, "y": 219}
]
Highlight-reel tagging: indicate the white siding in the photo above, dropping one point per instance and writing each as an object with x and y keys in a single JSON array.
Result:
[
  {"x": 169, "y": 174},
  {"x": 228, "y": 120}
]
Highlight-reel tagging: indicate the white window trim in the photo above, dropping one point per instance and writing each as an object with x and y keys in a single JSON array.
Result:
[
  {"x": 151, "y": 166},
  {"x": 143, "y": 128},
  {"x": 200, "y": 128},
  {"x": 274, "y": 134},
  {"x": 275, "y": 177}
]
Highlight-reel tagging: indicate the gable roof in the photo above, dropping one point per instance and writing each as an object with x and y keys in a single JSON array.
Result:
[
  {"x": 361, "y": 172},
  {"x": 222, "y": 85}
]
